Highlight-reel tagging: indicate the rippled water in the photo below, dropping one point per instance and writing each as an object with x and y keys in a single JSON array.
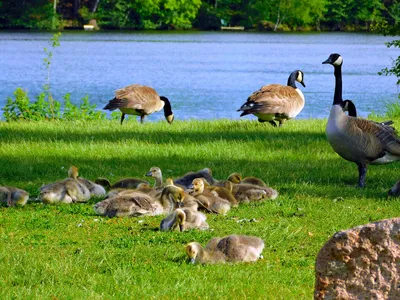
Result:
[{"x": 206, "y": 75}]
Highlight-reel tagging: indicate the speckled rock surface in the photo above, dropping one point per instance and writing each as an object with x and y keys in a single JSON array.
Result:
[{"x": 360, "y": 263}]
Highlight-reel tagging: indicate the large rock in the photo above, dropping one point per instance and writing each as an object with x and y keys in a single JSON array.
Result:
[{"x": 361, "y": 263}]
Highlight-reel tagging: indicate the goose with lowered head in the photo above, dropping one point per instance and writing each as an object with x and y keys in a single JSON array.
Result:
[
  {"x": 140, "y": 100},
  {"x": 276, "y": 102},
  {"x": 357, "y": 140}
]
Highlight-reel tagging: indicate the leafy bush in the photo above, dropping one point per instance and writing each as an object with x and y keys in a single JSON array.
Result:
[{"x": 21, "y": 108}]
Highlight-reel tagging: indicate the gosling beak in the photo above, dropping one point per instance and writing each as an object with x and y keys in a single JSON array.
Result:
[
  {"x": 191, "y": 186},
  {"x": 193, "y": 260},
  {"x": 181, "y": 227},
  {"x": 148, "y": 174}
]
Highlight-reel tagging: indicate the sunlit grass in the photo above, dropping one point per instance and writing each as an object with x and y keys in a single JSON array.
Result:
[{"x": 65, "y": 251}]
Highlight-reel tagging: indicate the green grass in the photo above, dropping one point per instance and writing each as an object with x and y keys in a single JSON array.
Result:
[{"x": 66, "y": 251}]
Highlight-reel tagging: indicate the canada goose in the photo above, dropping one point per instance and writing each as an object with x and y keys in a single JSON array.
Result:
[
  {"x": 187, "y": 179},
  {"x": 354, "y": 139},
  {"x": 208, "y": 199},
  {"x": 140, "y": 100},
  {"x": 246, "y": 193},
  {"x": 276, "y": 102},
  {"x": 232, "y": 248},
  {"x": 65, "y": 191},
  {"x": 13, "y": 196},
  {"x": 156, "y": 173},
  {"x": 125, "y": 183},
  {"x": 184, "y": 219},
  {"x": 139, "y": 204},
  {"x": 237, "y": 178}
]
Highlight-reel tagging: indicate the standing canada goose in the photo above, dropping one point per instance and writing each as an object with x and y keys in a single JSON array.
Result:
[
  {"x": 232, "y": 248},
  {"x": 65, "y": 191},
  {"x": 139, "y": 100},
  {"x": 138, "y": 204},
  {"x": 358, "y": 140},
  {"x": 276, "y": 102},
  {"x": 184, "y": 219},
  {"x": 13, "y": 196},
  {"x": 187, "y": 179},
  {"x": 237, "y": 178}
]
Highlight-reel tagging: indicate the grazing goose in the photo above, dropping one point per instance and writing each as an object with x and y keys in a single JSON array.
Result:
[
  {"x": 232, "y": 248},
  {"x": 276, "y": 102},
  {"x": 156, "y": 173},
  {"x": 125, "y": 183},
  {"x": 237, "y": 178},
  {"x": 187, "y": 179},
  {"x": 210, "y": 201},
  {"x": 140, "y": 100},
  {"x": 184, "y": 219},
  {"x": 13, "y": 196},
  {"x": 358, "y": 140},
  {"x": 139, "y": 204},
  {"x": 65, "y": 191}
]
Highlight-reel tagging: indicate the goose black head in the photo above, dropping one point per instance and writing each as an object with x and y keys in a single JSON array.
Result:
[
  {"x": 168, "y": 114},
  {"x": 334, "y": 59}
]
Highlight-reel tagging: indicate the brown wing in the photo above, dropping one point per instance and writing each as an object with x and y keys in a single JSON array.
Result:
[
  {"x": 272, "y": 99},
  {"x": 376, "y": 137},
  {"x": 136, "y": 96}
]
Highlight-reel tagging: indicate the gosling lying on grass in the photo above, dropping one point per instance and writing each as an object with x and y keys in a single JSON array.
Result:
[
  {"x": 208, "y": 199},
  {"x": 184, "y": 219},
  {"x": 140, "y": 204},
  {"x": 65, "y": 191},
  {"x": 125, "y": 183},
  {"x": 13, "y": 196},
  {"x": 232, "y": 248},
  {"x": 237, "y": 178}
]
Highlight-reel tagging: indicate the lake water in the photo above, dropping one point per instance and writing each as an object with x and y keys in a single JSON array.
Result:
[{"x": 205, "y": 75}]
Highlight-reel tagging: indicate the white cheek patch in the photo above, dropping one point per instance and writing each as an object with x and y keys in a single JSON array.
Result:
[
  {"x": 300, "y": 77},
  {"x": 338, "y": 62}
]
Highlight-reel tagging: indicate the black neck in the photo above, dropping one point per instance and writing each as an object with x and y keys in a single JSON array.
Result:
[
  {"x": 337, "y": 97},
  {"x": 292, "y": 80},
  {"x": 167, "y": 106}
]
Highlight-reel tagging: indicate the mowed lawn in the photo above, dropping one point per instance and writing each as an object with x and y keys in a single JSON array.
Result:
[{"x": 67, "y": 252}]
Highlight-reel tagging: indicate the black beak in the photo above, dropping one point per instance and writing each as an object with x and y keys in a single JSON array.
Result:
[
  {"x": 148, "y": 174},
  {"x": 328, "y": 61},
  {"x": 302, "y": 83}
]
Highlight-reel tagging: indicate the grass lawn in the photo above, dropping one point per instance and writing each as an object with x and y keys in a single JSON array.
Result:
[{"x": 66, "y": 251}]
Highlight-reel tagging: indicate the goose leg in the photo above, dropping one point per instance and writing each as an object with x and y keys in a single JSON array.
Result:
[
  {"x": 281, "y": 122},
  {"x": 272, "y": 123},
  {"x": 122, "y": 118},
  {"x": 362, "y": 172},
  {"x": 141, "y": 119}
]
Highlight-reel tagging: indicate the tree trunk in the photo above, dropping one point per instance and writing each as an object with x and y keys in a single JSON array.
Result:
[
  {"x": 53, "y": 20},
  {"x": 96, "y": 3}
]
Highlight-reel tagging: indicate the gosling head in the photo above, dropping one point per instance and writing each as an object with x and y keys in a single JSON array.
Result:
[
  {"x": 174, "y": 194},
  {"x": 143, "y": 185},
  {"x": 192, "y": 250},
  {"x": 300, "y": 77},
  {"x": 198, "y": 185},
  {"x": 5, "y": 195},
  {"x": 235, "y": 178},
  {"x": 154, "y": 172},
  {"x": 180, "y": 219},
  {"x": 334, "y": 59},
  {"x": 169, "y": 181},
  {"x": 73, "y": 172}
]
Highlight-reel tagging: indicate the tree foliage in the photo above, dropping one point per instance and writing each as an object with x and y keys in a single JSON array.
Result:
[{"x": 205, "y": 14}]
